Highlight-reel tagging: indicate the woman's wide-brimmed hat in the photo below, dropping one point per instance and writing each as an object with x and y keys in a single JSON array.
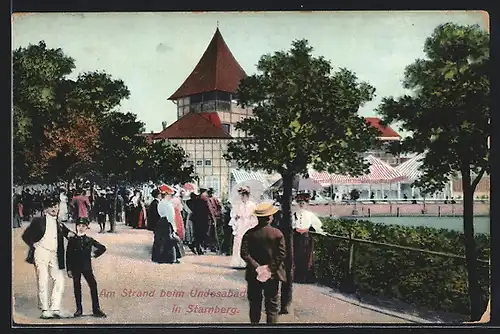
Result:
[
  {"x": 243, "y": 190},
  {"x": 302, "y": 197},
  {"x": 164, "y": 189},
  {"x": 265, "y": 209}
]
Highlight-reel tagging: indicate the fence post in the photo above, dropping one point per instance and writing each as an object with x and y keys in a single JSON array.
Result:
[
  {"x": 397, "y": 211},
  {"x": 350, "y": 286}
]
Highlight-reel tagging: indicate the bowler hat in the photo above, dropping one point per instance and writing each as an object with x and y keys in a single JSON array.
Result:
[
  {"x": 155, "y": 192},
  {"x": 50, "y": 201},
  {"x": 265, "y": 209}
]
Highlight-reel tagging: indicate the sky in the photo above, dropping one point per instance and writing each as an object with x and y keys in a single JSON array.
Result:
[{"x": 153, "y": 53}]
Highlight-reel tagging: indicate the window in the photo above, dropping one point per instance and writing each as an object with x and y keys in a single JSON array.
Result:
[
  {"x": 208, "y": 162},
  {"x": 199, "y": 163},
  {"x": 189, "y": 163},
  {"x": 226, "y": 127}
]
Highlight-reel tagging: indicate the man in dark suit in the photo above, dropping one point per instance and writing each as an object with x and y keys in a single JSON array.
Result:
[
  {"x": 263, "y": 249},
  {"x": 79, "y": 262},
  {"x": 44, "y": 236}
]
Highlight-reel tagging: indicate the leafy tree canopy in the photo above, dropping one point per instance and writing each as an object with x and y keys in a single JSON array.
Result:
[
  {"x": 120, "y": 150},
  {"x": 48, "y": 105},
  {"x": 166, "y": 163},
  {"x": 449, "y": 117},
  {"x": 448, "y": 113},
  {"x": 303, "y": 114}
]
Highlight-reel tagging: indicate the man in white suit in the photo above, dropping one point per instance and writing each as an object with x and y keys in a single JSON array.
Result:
[{"x": 45, "y": 237}]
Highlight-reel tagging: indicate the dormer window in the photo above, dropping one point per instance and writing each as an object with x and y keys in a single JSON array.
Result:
[{"x": 226, "y": 127}]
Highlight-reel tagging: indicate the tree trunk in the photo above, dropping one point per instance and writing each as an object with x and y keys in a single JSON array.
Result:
[
  {"x": 287, "y": 232},
  {"x": 114, "y": 207},
  {"x": 470, "y": 247}
]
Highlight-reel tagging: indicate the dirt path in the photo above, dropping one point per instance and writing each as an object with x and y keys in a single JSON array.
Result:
[{"x": 134, "y": 290}]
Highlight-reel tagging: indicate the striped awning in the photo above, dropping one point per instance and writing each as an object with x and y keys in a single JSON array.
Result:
[
  {"x": 242, "y": 175},
  {"x": 411, "y": 168},
  {"x": 380, "y": 172}
]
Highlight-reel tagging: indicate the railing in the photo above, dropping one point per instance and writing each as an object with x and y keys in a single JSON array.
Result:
[
  {"x": 396, "y": 208},
  {"x": 353, "y": 240},
  {"x": 349, "y": 282}
]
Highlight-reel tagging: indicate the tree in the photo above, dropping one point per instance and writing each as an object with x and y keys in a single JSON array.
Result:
[
  {"x": 49, "y": 109},
  {"x": 449, "y": 117},
  {"x": 37, "y": 72},
  {"x": 166, "y": 163},
  {"x": 302, "y": 115},
  {"x": 121, "y": 150},
  {"x": 70, "y": 147}
]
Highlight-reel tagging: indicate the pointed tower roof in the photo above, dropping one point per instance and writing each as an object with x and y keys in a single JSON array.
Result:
[{"x": 216, "y": 70}]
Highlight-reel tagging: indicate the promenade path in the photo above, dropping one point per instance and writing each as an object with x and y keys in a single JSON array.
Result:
[{"x": 126, "y": 266}]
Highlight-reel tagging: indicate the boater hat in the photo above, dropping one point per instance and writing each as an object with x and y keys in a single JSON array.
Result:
[{"x": 265, "y": 209}]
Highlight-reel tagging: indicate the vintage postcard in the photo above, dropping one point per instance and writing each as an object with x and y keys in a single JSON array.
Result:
[{"x": 251, "y": 167}]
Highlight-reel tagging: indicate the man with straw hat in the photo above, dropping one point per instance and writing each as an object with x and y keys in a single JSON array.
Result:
[{"x": 263, "y": 249}]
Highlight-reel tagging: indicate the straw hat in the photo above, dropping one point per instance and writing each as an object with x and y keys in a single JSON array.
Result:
[{"x": 265, "y": 209}]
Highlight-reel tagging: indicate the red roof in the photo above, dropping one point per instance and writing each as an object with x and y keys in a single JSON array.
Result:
[
  {"x": 216, "y": 70},
  {"x": 195, "y": 126},
  {"x": 213, "y": 117},
  {"x": 386, "y": 132}
]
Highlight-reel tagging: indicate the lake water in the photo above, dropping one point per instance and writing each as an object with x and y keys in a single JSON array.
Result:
[{"x": 481, "y": 224}]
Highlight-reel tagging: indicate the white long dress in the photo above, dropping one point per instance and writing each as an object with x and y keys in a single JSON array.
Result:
[
  {"x": 240, "y": 226},
  {"x": 63, "y": 207}
]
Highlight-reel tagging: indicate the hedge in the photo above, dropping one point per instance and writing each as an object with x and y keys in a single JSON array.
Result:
[{"x": 432, "y": 281}]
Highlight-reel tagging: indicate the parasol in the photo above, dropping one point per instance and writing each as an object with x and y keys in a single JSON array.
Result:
[
  {"x": 257, "y": 191},
  {"x": 190, "y": 187}
]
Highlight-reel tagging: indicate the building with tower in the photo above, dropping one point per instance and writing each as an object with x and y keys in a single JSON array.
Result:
[{"x": 207, "y": 113}]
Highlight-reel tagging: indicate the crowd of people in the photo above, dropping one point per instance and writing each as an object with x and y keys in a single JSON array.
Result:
[{"x": 197, "y": 220}]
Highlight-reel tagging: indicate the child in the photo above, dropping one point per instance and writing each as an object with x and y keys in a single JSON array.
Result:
[{"x": 78, "y": 263}]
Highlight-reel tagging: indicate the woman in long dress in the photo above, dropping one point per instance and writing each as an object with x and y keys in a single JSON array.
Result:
[
  {"x": 303, "y": 222},
  {"x": 63, "y": 206},
  {"x": 242, "y": 219},
  {"x": 164, "y": 243},
  {"x": 179, "y": 222}
]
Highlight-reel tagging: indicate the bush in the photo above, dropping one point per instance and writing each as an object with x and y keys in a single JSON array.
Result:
[{"x": 433, "y": 281}]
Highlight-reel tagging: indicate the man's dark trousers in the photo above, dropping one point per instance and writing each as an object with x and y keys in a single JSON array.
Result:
[
  {"x": 254, "y": 293},
  {"x": 89, "y": 277}
]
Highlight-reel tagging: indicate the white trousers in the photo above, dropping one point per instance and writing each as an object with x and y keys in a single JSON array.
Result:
[{"x": 46, "y": 265}]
